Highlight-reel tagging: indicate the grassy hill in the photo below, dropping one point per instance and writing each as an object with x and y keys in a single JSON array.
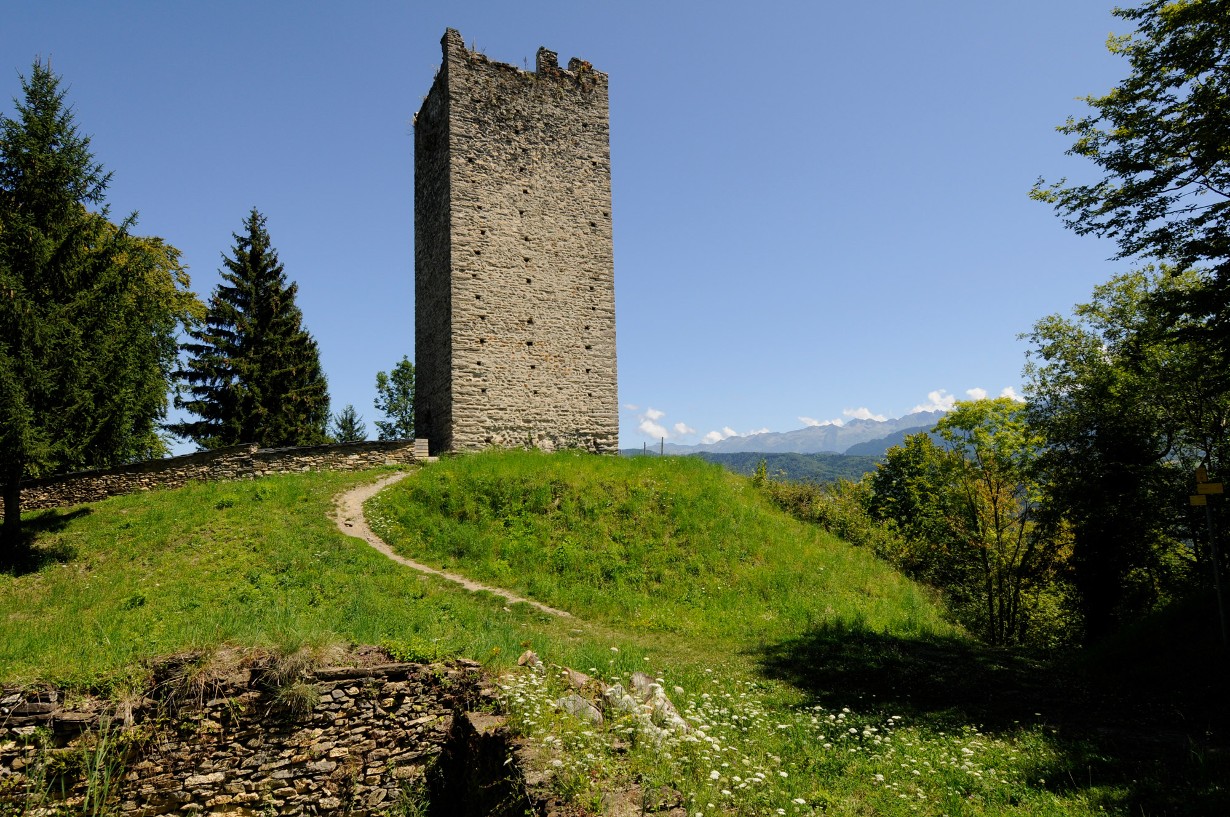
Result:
[{"x": 821, "y": 681}]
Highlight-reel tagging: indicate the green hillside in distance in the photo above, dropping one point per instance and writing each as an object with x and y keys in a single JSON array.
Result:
[{"x": 819, "y": 468}]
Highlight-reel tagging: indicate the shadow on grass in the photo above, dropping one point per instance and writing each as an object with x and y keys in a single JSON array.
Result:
[
  {"x": 32, "y": 556},
  {"x": 1130, "y": 748}
]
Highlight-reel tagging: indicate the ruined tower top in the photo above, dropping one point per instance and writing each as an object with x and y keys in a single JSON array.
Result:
[{"x": 514, "y": 273}]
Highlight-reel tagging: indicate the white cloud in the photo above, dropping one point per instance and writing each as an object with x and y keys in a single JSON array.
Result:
[
  {"x": 1011, "y": 393},
  {"x": 651, "y": 428},
  {"x": 757, "y": 431},
  {"x": 814, "y": 423},
  {"x": 863, "y": 413},
  {"x": 630, "y": 407},
  {"x": 976, "y": 394},
  {"x": 717, "y": 436},
  {"x": 938, "y": 400}
]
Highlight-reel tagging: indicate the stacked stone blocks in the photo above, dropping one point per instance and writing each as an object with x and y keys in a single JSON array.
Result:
[
  {"x": 369, "y": 736},
  {"x": 234, "y": 462},
  {"x": 514, "y": 269}
]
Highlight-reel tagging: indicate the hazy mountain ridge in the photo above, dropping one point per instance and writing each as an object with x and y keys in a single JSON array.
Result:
[
  {"x": 877, "y": 448},
  {"x": 833, "y": 439}
]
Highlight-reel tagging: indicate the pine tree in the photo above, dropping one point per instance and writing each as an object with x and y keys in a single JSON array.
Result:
[
  {"x": 253, "y": 371},
  {"x": 88, "y": 313},
  {"x": 347, "y": 426}
]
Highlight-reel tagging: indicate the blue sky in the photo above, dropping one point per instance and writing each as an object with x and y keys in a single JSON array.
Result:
[{"x": 820, "y": 209}]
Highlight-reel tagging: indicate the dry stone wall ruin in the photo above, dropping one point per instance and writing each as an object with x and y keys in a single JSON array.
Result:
[
  {"x": 379, "y": 737},
  {"x": 514, "y": 270},
  {"x": 234, "y": 462}
]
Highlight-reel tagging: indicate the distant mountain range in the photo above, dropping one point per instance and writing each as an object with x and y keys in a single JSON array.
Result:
[{"x": 869, "y": 438}]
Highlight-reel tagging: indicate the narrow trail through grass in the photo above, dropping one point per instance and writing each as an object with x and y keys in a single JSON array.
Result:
[{"x": 348, "y": 514}]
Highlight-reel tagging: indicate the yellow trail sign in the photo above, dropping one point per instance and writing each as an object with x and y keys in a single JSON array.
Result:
[
  {"x": 1209, "y": 488},
  {"x": 1199, "y": 499}
]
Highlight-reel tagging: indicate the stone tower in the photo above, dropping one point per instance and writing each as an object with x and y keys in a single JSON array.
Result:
[{"x": 514, "y": 295}]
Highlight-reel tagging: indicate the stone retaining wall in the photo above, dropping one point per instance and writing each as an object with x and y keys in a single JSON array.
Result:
[
  {"x": 353, "y": 740},
  {"x": 235, "y": 462}
]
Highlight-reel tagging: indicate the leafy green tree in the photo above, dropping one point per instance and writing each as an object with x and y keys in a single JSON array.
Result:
[
  {"x": 914, "y": 489},
  {"x": 1162, "y": 141},
  {"x": 88, "y": 312},
  {"x": 1127, "y": 414},
  {"x": 962, "y": 515},
  {"x": 995, "y": 509},
  {"x": 395, "y": 398},
  {"x": 1135, "y": 387},
  {"x": 347, "y": 426},
  {"x": 253, "y": 372},
  {"x": 1162, "y": 138}
]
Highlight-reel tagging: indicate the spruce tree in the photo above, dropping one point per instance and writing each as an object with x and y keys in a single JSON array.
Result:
[
  {"x": 253, "y": 372},
  {"x": 347, "y": 426},
  {"x": 88, "y": 312}
]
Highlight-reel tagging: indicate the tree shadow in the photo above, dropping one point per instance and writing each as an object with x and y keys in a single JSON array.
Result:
[
  {"x": 1133, "y": 750},
  {"x": 35, "y": 552}
]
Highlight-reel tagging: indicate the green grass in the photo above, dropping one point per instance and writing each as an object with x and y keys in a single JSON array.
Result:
[
  {"x": 673, "y": 545},
  {"x": 252, "y": 563},
  {"x": 816, "y": 673}
]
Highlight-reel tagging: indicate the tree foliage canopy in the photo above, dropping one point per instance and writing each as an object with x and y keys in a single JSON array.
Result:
[
  {"x": 965, "y": 511},
  {"x": 395, "y": 398},
  {"x": 253, "y": 372},
  {"x": 1127, "y": 414},
  {"x": 1162, "y": 139},
  {"x": 88, "y": 312}
]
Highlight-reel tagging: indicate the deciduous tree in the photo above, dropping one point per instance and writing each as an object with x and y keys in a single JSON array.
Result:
[
  {"x": 253, "y": 372},
  {"x": 964, "y": 509},
  {"x": 1161, "y": 138},
  {"x": 996, "y": 507},
  {"x": 914, "y": 489},
  {"x": 395, "y": 397},
  {"x": 1127, "y": 414}
]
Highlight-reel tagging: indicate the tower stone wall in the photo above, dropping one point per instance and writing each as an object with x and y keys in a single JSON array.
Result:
[{"x": 514, "y": 270}]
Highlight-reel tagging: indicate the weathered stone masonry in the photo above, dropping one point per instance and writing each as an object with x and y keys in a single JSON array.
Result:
[
  {"x": 514, "y": 269},
  {"x": 359, "y": 738},
  {"x": 234, "y": 462}
]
